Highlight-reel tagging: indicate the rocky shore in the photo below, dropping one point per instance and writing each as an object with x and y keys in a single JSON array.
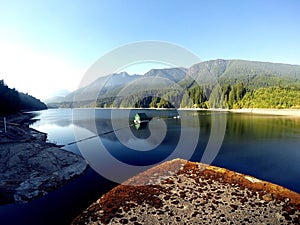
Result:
[
  {"x": 29, "y": 166},
  {"x": 182, "y": 192}
]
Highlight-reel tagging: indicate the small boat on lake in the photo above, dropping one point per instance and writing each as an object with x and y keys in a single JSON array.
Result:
[{"x": 141, "y": 118}]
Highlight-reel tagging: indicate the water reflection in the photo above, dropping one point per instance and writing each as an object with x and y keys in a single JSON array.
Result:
[
  {"x": 266, "y": 147},
  {"x": 140, "y": 126},
  {"x": 263, "y": 146},
  {"x": 252, "y": 127},
  {"x": 61, "y": 118}
]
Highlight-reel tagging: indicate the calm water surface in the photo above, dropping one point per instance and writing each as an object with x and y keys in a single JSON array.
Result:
[{"x": 266, "y": 147}]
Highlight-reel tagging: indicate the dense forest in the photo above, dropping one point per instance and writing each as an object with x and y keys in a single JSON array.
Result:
[
  {"x": 272, "y": 97},
  {"x": 230, "y": 96},
  {"x": 12, "y": 101}
]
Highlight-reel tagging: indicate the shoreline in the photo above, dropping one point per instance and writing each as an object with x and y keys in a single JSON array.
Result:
[
  {"x": 31, "y": 167},
  {"x": 261, "y": 111},
  {"x": 277, "y": 112}
]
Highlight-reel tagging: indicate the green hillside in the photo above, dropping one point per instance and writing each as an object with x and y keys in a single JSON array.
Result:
[
  {"x": 252, "y": 74},
  {"x": 272, "y": 97},
  {"x": 210, "y": 84}
]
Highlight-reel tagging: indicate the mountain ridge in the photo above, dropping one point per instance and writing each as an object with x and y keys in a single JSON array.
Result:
[{"x": 252, "y": 74}]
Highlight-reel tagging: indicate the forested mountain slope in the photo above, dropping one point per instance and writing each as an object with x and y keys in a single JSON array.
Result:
[{"x": 215, "y": 83}]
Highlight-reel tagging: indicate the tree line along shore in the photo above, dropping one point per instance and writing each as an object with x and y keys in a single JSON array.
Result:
[
  {"x": 226, "y": 96},
  {"x": 236, "y": 96}
]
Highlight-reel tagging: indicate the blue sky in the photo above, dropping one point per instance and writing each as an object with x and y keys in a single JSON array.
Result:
[{"x": 48, "y": 45}]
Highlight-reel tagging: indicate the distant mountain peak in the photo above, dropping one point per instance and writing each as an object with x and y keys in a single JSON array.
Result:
[
  {"x": 122, "y": 74},
  {"x": 174, "y": 74}
]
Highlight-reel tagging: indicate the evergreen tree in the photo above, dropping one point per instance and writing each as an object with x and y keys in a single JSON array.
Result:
[{"x": 9, "y": 100}]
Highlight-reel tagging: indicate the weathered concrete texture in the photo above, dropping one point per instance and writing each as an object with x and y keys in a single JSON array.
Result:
[
  {"x": 30, "y": 167},
  {"x": 181, "y": 192}
]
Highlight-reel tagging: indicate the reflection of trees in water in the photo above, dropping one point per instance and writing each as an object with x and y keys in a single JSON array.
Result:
[
  {"x": 239, "y": 127},
  {"x": 243, "y": 126},
  {"x": 141, "y": 130},
  {"x": 104, "y": 125}
]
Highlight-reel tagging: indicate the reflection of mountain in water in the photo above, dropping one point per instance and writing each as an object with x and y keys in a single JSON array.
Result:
[
  {"x": 61, "y": 118},
  {"x": 150, "y": 143},
  {"x": 60, "y": 123},
  {"x": 259, "y": 145},
  {"x": 103, "y": 126},
  {"x": 63, "y": 123}
]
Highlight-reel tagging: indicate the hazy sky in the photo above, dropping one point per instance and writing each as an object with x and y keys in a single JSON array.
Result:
[{"x": 46, "y": 46}]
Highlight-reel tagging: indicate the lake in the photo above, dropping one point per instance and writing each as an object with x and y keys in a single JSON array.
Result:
[{"x": 263, "y": 146}]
